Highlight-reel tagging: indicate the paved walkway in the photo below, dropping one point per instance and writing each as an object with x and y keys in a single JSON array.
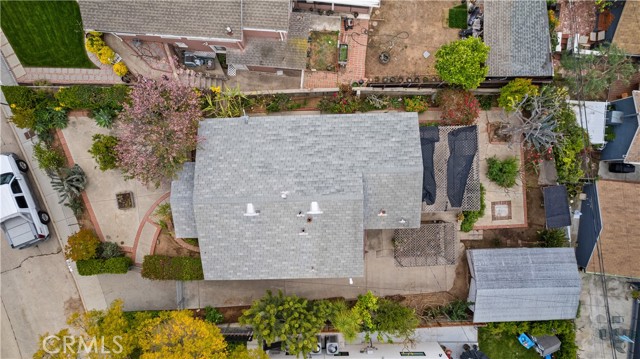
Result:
[
  {"x": 354, "y": 71},
  {"x": 131, "y": 228}
]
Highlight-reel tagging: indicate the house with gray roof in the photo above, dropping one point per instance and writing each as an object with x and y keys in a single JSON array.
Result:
[
  {"x": 517, "y": 32},
  {"x": 523, "y": 284},
  {"x": 290, "y": 196}
]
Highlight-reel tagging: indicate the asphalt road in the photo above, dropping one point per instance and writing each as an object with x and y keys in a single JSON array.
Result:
[{"x": 36, "y": 288}]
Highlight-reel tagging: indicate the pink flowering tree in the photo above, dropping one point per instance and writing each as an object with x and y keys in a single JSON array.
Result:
[{"x": 157, "y": 130}]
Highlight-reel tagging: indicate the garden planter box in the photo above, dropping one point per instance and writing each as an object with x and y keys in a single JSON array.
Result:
[{"x": 125, "y": 200}]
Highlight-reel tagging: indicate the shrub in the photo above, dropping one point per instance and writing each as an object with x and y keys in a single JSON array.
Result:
[
  {"x": 21, "y": 96},
  {"x": 503, "y": 173},
  {"x": 568, "y": 151},
  {"x": 458, "y": 107},
  {"x": 106, "y": 55},
  {"x": 49, "y": 118},
  {"x": 159, "y": 267},
  {"x": 88, "y": 97},
  {"x": 23, "y": 117},
  {"x": 118, "y": 265},
  {"x": 458, "y": 17},
  {"x": 513, "y": 93},
  {"x": 103, "y": 150},
  {"x": 69, "y": 183},
  {"x": 103, "y": 117},
  {"x": 108, "y": 250},
  {"x": 471, "y": 217},
  {"x": 120, "y": 69},
  {"x": 553, "y": 23},
  {"x": 82, "y": 245},
  {"x": 552, "y": 238},
  {"x": 213, "y": 315},
  {"x": 486, "y": 102},
  {"x": 462, "y": 62},
  {"x": 343, "y": 101},
  {"x": 49, "y": 159},
  {"x": 415, "y": 104},
  {"x": 94, "y": 43}
]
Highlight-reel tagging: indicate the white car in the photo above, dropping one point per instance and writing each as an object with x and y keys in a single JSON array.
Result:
[{"x": 22, "y": 222}]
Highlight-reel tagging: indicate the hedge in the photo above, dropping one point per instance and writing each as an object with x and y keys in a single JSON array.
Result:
[
  {"x": 118, "y": 265},
  {"x": 160, "y": 267},
  {"x": 89, "y": 97}
]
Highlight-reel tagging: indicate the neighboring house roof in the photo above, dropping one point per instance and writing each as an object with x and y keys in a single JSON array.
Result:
[
  {"x": 193, "y": 18},
  {"x": 626, "y": 35},
  {"x": 626, "y": 144},
  {"x": 518, "y": 34},
  {"x": 619, "y": 239},
  {"x": 288, "y": 54},
  {"x": 354, "y": 166},
  {"x": 591, "y": 115},
  {"x": 590, "y": 225},
  {"x": 556, "y": 206},
  {"x": 523, "y": 284}
]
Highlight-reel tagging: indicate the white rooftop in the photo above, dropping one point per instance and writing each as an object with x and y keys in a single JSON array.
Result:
[{"x": 593, "y": 118}]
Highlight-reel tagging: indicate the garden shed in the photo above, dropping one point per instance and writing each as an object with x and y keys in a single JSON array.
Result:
[
  {"x": 523, "y": 284},
  {"x": 556, "y": 207}
]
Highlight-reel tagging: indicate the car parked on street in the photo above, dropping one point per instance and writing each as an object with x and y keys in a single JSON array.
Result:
[{"x": 22, "y": 222}]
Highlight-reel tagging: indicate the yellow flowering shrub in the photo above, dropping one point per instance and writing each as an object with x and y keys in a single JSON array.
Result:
[
  {"x": 106, "y": 55},
  {"x": 94, "y": 44},
  {"x": 120, "y": 69},
  {"x": 514, "y": 92}
]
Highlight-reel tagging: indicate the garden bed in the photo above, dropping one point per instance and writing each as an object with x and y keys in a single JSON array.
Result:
[{"x": 324, "y": 51}]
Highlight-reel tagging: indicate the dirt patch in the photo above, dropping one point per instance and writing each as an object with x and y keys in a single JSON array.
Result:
[
  {"x": 406, "y": 29},
  {"x": 324, "y": 50},
  {"x": 167, "y": 246},
  {"x": 518, "y": 237},
  {"x": 73, "y": 305}
]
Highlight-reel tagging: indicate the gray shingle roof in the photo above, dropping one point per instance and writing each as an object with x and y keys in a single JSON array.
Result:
[
  {"x": 523, "y": 284},
  {"x": 289, "y": 54},
  {"x": 195, "y": 18},
  {"x": 352, "y": 165},
  {"x": 182, "y": 202},
  {"x": 556, "y": 206},
  {"x": 518, "y": 33}
]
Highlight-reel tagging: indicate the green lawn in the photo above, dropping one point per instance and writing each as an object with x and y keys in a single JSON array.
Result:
[
  {"x": 503, "y": 347},
  {"x": 45, "y": 33},
  {"x": 458, "y": 17}
]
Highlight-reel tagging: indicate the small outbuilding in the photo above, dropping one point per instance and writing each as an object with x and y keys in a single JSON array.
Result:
[
  {"x": 556, "y": 207},
  {"x": 523, "y": 284}
]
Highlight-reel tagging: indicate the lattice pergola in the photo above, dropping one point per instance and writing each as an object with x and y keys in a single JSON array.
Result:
[
  {"x": 471, "y": 201},
  {"x": 432, "y": 244}
]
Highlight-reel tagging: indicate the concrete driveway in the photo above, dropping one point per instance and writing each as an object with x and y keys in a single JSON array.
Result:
[{"x": 37, "y": 290}]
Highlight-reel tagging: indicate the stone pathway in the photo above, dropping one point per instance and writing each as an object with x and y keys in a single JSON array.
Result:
[
  {"x": 354, "y": 70},
  {"x": 103, "y": 74}
]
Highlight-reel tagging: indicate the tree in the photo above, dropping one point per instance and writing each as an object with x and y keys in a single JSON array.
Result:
[
  {"x": 241, "y": 352},
  {"x": 178, "y": 335},
  {"x": 290, "y": 319},
  {"x": 462, "y": 62},
  {"x": 552, "y": 238},
  {"x": 110, "y": 327},
  {"x": 53, "y": 346},
  {"x": 82, "y": 245},
  {"x": 157, "y": 130},
  {"x": 590, "y": 75},
  {"x": 394, "y": 319}
]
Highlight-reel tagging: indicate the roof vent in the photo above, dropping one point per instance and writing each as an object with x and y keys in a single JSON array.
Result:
[
  {"x": 284, "y": 194},
  {"x": 300, "y": 214},
  {"x": 382, "y": 213},
  {"x": 402, "y": 221},
  {"x": 229, "y": 30},
  {"x": 315, "y": 208},
  {"x": 303, "y": 232},
  {"x": 251, "y": 211}
]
